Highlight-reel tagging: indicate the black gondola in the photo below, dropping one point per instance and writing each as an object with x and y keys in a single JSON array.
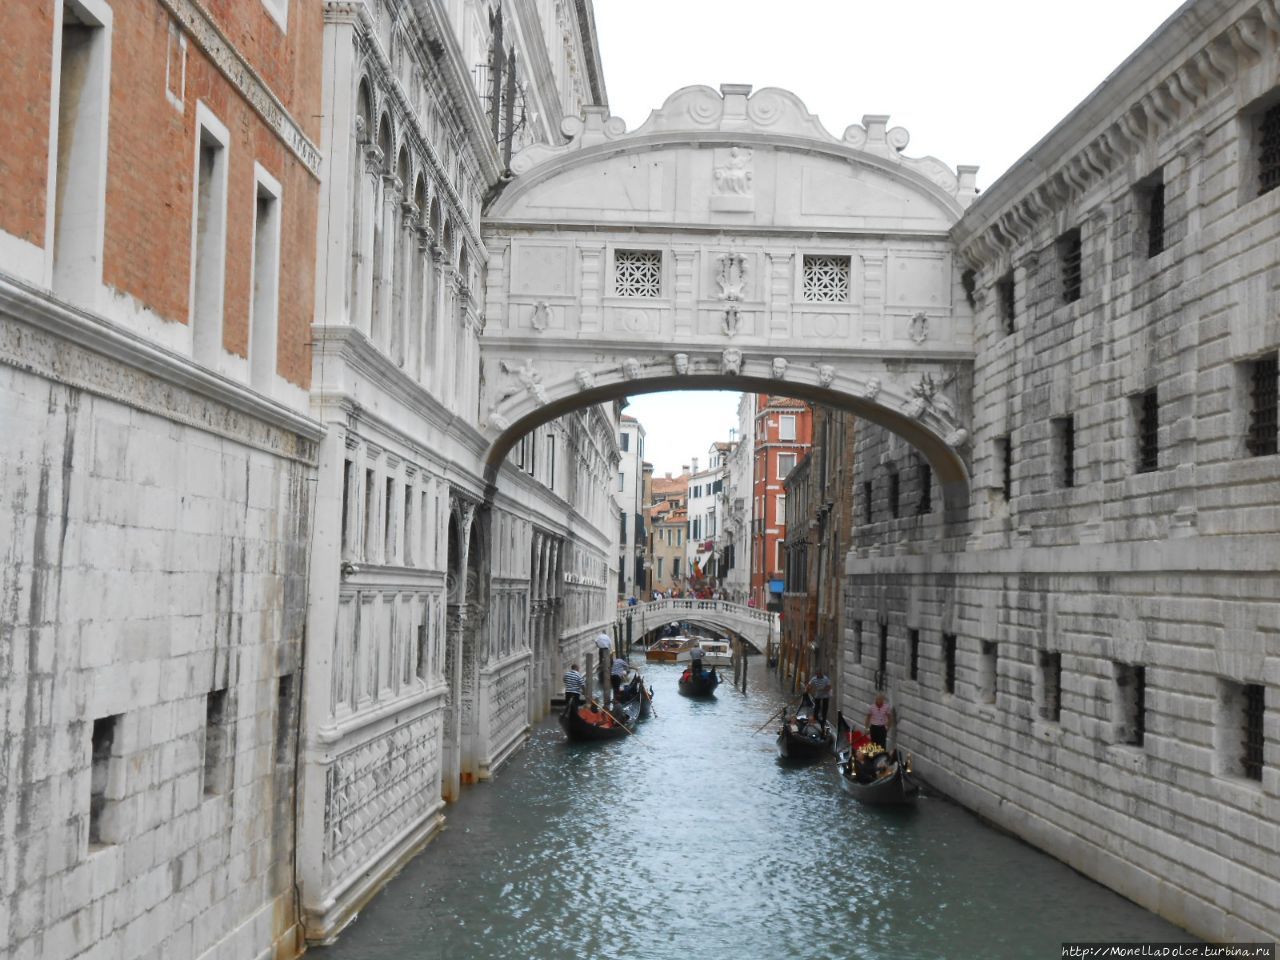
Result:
[
  {"x": 635, "y": 692},
  {"x": 802, "y": 738},
  {"x": 590, "y": 723},
  {"x": 884, "y": 780},
  {"x": 700, "y": 683}
]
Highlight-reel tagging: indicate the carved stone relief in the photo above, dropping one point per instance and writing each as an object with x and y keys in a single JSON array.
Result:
[{"x": 731, "y": 362}]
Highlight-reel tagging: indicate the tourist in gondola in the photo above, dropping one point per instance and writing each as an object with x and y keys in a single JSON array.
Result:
[
  {"x": 879, "y": 720},
  {"x": 819, "y": 690},
  {"x": 575, "y": 684}
]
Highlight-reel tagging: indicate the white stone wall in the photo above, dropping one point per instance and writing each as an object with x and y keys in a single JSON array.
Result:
[
  {"x": 1173, "y": 569},
  {"x": 154, "y": 541}
]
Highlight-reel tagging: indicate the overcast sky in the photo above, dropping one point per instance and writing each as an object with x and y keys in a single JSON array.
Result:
[{"x": 978, "y": 82}]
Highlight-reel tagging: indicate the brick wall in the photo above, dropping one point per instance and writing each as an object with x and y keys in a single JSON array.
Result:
[{"x": 26, "y": 77}]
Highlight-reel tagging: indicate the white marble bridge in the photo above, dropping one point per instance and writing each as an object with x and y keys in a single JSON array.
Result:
[{"x": 752, "y": 624}]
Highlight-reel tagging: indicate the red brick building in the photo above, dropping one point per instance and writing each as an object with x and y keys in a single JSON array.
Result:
[{"x": 783, "y": 435}]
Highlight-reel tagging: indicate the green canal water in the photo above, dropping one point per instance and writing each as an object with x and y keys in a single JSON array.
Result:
[{"x": 691, "y": 840}]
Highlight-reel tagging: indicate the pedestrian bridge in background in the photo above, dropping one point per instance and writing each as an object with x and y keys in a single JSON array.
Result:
[{"x": 752, "y": 624}]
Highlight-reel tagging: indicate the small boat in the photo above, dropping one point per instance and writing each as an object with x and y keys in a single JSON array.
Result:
[
  {"x": 636, "y": 692},
  {"x": 715, "y": 653},
  {"x": 882, "y": 779},
  {"x": 701, "y": 685},
  {"x": 667, "y": 649},
  {"x": 802, "y": 738},
  {"x": 591, "y": 722}
]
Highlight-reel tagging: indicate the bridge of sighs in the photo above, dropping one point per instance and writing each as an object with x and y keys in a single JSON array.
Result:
[{"x": 731, "y": 242}]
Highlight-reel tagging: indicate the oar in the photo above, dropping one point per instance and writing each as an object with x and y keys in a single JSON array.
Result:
[
  {"x": 777, "y": 713},
  {"x": 615, "y": 719}
]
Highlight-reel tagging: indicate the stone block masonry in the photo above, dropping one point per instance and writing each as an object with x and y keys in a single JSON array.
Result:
[
  {"x": 151, "y": 569},
  {"x": 1097, "y": 638}
]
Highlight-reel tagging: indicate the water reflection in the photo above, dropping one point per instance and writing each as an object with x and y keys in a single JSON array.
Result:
[{"x": 692, "y": 839}]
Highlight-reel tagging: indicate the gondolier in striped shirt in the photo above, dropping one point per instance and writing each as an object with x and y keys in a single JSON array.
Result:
[{"x": 575, "y": 684}]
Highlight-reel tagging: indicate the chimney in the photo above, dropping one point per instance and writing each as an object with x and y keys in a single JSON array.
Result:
[
  {"x": 695, "y": 464},
  {"x": 684, "y": 468},
  {"x": 668, "y": 474}
]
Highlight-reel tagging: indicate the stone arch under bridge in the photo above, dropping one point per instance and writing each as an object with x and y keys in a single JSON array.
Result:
[
  {"x": 751, "y": 624},
  {"x": 731, "y": 242}
]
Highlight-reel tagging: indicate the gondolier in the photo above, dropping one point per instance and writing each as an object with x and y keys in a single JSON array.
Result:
[
  {"x": 879, "y": 720},
  {"x": 819, "y": 690},
  {"x": 617, "y": 674},
  {"x": 575, "y": 684}
]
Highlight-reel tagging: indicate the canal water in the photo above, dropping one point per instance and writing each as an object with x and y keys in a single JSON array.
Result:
[{"x": 691, "y": 840}]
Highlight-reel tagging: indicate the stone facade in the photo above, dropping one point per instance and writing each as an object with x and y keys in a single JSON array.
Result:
[
  {"x": 1090, "y": 659},
  {"x": 158, "y": 459}
]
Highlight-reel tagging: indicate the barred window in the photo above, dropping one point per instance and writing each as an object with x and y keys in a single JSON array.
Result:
[
  {"x": 866, "y": 499},
  {"x": 1005, "y": 292},
  {"x": 925, "y": 474},
  {"x": 1264, "y": 407},
  {"x": 1051, "y": 686},
  {"x": 1004, "y": 457},
  {"x": 949, "y": 662},
  {"x": 826, "y": 279},
  {"x": 1254, "y": 707},
  {"x": 637, "y": 273},
  {"x": 1153, "y": 197},
  {"x": 1147, "y": 413},
  {"x": 913, "y": 639},
  {"x": 1064, "y": 443},
  {"x": 1131, "y": 703},
  {"x": 1269, "y": 150},
  {"x": 1070, "y": 250},
  {"x": 893, "y": 492}
]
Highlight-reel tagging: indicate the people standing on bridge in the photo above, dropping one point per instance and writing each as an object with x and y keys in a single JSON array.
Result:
[
  {"x": 819, "y": 690},
  {"x": 575, "y": 685},
  {"x": 879, "y": 720},
  {"x": 617, "y": 674}
]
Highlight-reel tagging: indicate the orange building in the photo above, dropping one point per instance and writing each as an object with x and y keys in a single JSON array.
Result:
[{"x": 783, "y": 435}]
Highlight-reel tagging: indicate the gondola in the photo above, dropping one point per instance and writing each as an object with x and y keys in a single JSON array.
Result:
[
  {"x": 701, "y": 683},
  {"x": 872, "y": 775},
  {"x": 802, "y": 739},
  {"x": 888, "y": 783},
  {"x": 589, "y": 723},
  {"x": 636, "y": 693}
]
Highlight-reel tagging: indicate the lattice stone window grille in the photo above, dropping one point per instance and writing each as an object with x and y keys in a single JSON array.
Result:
[
  {"x": 826, "y": 279},
  {"x": 637, "y": 273}
]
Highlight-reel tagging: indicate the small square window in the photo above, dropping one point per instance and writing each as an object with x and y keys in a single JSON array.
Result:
[
  {"x": 637, "y": 273},
  {"x": 1070, "y": 255},
  {"x": 826, "y": 279}
]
